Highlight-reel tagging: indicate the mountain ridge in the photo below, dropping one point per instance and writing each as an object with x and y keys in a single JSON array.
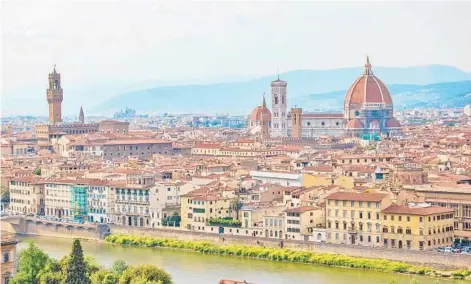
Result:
[{"x": 241, "y": 96}]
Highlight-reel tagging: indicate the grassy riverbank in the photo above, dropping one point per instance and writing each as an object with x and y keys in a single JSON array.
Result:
[{"x": 278, "y": 254}]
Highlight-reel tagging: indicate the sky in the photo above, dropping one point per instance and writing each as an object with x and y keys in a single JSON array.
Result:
[{"x": 103, "y": 48}]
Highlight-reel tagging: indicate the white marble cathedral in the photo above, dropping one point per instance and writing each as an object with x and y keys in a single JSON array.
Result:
[{"x": 368, "y": 110}]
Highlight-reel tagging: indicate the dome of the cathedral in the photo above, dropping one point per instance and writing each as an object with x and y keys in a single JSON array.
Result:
[
  {"x": 367, "y": 90},
  {"x": 257, "y": 113},
  {"x": 261, "y": 112}
]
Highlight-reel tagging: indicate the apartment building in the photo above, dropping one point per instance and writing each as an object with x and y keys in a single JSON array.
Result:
[
  {"x": 164, "y": 196},
  {"x": 198, "y": 207},
  {"x": 355, "y": 218},
  {"x": 417, "y": 226},
  {"x": 58, "y": 198},
  {"x": 274, "y": 226},
  {"x": 299, "y": 222},
  {"x": 27, "y": 195},
  {"x": 100, "y": 202}
]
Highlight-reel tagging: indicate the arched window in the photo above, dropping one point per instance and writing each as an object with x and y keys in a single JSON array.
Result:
[
  {"x": 283, "y": 99},
  {"x": 276, "y": 100}
]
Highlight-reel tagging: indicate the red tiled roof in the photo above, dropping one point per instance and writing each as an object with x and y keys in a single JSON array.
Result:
[
  {"x": 355, "y": 124},
  {"x": 301, "y": 209},
  {"x": 422, "y": 211},
  {"x": 322, "y": 115},
  {"x": 208, "y": 146},
  {"x": 375, "y": 197}
]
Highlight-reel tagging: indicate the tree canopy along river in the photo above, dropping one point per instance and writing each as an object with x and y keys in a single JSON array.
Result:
[{"x": 195, "y": 268}]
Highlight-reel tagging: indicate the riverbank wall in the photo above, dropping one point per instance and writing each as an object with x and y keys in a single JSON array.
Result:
[{"x": 426, "y": 258}]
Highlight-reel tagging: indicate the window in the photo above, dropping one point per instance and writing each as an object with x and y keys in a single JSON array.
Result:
[
  {"x": 6, "y": 257},
  {"x": 400, "y": 218}
]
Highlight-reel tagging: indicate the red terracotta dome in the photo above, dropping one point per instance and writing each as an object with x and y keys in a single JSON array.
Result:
[
  {"x": 355, "y": 124},
  {"x": 367, "y": 89},
  {"x": 260, "y": 111},
  {"x": 392, "y": 123}
]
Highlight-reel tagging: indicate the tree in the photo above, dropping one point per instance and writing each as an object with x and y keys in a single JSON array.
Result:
[
  {"x": 237, "y": 206},
  {"x": 77, "y": 268},
  {"x": 145, "y": 274},
  {"x": 51, "y": 278},
  {"x": 5, "y": 195},
  {"x": 104, "y": 277},
  {"x": 119, "y": 267},
  {"x": 51, "y": 273},
  {"x": 30, "y": 263}
]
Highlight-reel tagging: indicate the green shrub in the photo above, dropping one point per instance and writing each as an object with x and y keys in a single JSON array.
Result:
[
  {"x": 278, "y": 254},
  {"x": 224, "y": 222}
]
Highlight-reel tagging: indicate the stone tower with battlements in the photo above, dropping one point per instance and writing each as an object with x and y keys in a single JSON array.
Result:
[{"x": 54, "y": 97}]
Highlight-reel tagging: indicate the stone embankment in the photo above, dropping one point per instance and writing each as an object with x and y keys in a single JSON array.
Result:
[{"x": 51, "y": 229}]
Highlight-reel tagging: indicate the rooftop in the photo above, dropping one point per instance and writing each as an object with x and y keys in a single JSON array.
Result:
[
  {"x": 353, "y": 196},
  {"x": 417, "y": 210}
]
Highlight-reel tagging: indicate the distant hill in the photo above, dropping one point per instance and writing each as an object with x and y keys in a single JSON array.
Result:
[
  {"x": 453, "y": 94},
  {"x": 240, "y": 97}
]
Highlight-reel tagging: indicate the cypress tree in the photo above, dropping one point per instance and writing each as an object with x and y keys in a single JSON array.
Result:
[{"x": 77, "y": 269}]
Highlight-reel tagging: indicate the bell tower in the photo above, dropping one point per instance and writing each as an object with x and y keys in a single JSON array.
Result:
[
  {"x": 279, "y": 114},
  {"x": 54, "y": 97}
]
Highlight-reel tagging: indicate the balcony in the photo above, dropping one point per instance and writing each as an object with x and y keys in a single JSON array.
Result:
[
  {"x": 125, "y": 201},
  {"x": 352, "y": 230}
]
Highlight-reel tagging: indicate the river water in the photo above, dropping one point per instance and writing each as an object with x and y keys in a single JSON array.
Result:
[{"x": 195, "y": 268}]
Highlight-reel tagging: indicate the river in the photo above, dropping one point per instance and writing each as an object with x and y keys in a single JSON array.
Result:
[{"x": 194, "y": 268}]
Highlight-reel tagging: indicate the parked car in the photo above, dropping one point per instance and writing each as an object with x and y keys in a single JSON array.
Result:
[{"x": 448, "y": 250}]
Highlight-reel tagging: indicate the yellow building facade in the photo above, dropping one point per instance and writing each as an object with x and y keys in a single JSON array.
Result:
[
  {"x": 355, "y": 218},
  {"x": 198, "y": 209},
  {"x": 417, "y": 227}
]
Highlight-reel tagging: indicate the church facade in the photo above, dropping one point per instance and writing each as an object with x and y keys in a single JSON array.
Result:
[{"x": 368, "y": 111}]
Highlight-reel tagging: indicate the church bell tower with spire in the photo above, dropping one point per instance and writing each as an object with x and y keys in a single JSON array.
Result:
[
  {"x": 81, "y": 116},
  {"x": 54, "y": 97}
]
